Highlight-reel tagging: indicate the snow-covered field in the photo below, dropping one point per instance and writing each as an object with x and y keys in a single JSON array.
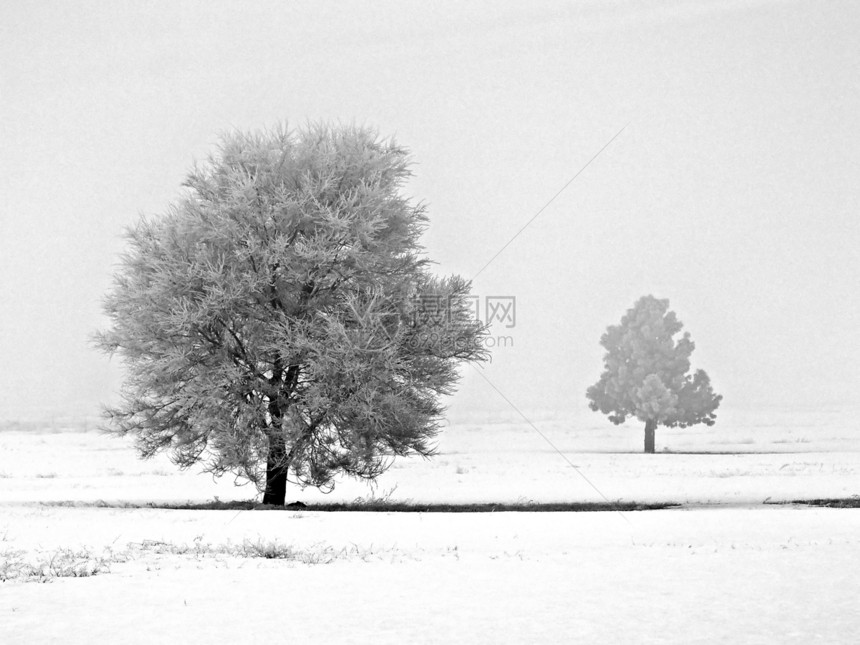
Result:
[{"x": 723, "y": 568}]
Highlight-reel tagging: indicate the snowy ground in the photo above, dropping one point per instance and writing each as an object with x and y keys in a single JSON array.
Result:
[{"x": 725, "y": 568}]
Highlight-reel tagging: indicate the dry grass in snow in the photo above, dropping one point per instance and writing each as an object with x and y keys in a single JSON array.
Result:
[{"x": 731, "y": 570}]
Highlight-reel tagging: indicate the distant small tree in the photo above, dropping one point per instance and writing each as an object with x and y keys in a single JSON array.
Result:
[
  {"x": 280, "y": 321},
  {"x": 646, "y": 373}
]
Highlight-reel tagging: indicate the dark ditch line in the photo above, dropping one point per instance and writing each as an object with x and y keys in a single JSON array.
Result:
[
  {"x": 395, "y": 507},
  {"x": 835, "y": 502},
  {"x": 486, "y": 507},
  {"x": 385, "y": 507}
]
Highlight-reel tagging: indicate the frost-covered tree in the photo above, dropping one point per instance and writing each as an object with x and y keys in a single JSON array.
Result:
[
  {"x": 280, "y": 321},
  {"x": 647, "y": 373}
]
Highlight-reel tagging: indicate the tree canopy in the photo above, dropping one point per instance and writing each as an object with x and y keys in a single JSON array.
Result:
[
  {"x": 647, "y": 372},
  {"x": 280, "y": 321}
]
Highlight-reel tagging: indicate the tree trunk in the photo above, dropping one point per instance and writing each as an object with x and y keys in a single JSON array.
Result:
[
  {"x": 276, "y": 472},
  {"x": 650, "y": 427}
]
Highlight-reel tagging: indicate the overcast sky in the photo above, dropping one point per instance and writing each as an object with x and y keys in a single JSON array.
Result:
[{"x": 733, "y": 190}]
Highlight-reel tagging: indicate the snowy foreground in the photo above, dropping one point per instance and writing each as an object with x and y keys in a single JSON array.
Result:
[{"x": 723, "y": 568}]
